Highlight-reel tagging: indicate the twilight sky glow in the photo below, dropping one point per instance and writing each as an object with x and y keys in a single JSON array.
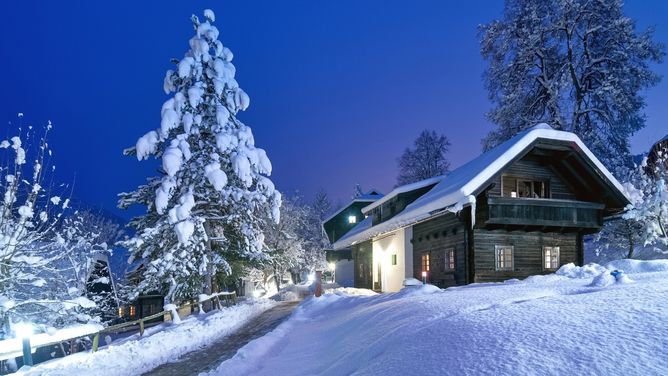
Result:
[{"x": 338, "y": 89}]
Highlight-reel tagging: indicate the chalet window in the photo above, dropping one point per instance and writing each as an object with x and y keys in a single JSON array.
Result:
[
  {"x": 449, "y": 260},
  {"x": 352, "y": 219},
  {"x": 425, "y": 262},
  {"x": 504, "y": 257},
  {"x": 532, "y": 188},
  {"x": 525, "y": 187},
  {"x": 394, "y": 259},
  {"x": 550, "y": 257}
]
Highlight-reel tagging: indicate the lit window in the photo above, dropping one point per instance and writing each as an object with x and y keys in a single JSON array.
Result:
[
  {"x": 425, "y": 262},
  {"x": 394, "y": 259},
  {"x": 133, "y": 311},
  {"x": 532, "y": 189},
  {"x": 550, "y": 257},
  {"x": 352, "y": 219},
  {"x": 450, "y": 259},
  {"x": 120, "y": 311},
  {"x": 504, "y": 257}
]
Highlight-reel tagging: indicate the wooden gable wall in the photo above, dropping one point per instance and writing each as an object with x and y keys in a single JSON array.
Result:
[
  {"x": 435, "y": 237},
  {"x": 533, "y": 168}
]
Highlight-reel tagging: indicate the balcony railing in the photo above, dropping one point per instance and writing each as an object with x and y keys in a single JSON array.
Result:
[{"x": 544, "y": 212}]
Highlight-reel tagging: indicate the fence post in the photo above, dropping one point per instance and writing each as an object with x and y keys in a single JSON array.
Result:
[
  {"x": 141, "y": 327},
  {"x": 96, "y": 341}
]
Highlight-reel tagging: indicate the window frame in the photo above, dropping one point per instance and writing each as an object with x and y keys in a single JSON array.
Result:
[
  {"x": 517, "y": 180},
  {"x": 450, "y": 262},
  {"x": 553, "y": 249},
  {"x": 497, "y": 259},
  {"x": 393, "y": 259},
  {"x": 425, "y": 256}
]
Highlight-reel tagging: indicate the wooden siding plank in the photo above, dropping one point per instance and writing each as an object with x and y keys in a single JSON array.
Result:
[
  {"x": 527, "y": 253},
  {"x": 437, "y": 236}
]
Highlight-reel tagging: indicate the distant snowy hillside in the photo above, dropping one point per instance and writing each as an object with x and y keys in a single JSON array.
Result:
[{"x": 580, "y": 321}]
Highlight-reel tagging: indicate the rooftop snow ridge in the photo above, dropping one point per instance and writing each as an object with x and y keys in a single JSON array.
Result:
[
  {"x": 403, "y": 189},
  {"x": 452, "y": 191}
]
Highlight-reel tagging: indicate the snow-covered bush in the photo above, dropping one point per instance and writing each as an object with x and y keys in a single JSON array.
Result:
[
  {"x": 652, "y": 209},
  {"x": 641, "y": 231},
  {"x": 45, "y": 257},
  {"x": 209, "y": 203}
]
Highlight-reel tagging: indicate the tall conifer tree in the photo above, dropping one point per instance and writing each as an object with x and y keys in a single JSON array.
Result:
[{"x": 208, "y": 203}]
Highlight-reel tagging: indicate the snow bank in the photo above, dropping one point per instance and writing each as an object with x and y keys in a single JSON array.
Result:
[
  {"x": 639, "y": 266},
  {"x": 351, "y": 291},
  {"x": 161, "y": 344},
  {"x": 587, "y": 271},
  {"x": 553, "y": 324}
]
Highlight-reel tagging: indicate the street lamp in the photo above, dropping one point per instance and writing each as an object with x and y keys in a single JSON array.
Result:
[
  {"x": 424, "y": 277},
  {"x": 332, "y": 266},
  {"x": 23, "y": 331}
]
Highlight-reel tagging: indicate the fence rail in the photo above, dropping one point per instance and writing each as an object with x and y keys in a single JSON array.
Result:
[{"x": 230, "y": 298}]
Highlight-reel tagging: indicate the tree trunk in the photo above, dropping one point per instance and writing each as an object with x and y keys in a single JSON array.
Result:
[
  {"x": 277, "y": 280},
  {"x": 629, "y": 228},
  {"x": 208, "y": 277}
]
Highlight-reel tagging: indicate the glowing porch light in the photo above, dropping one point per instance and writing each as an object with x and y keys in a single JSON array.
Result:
[{"x": 24, "y": 330}]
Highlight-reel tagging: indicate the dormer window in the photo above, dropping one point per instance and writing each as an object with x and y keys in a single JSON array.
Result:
[{"x": 352, "y": 219}]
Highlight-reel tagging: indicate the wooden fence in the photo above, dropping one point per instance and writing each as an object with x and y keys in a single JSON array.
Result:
[{"x": 219, "y": 300}]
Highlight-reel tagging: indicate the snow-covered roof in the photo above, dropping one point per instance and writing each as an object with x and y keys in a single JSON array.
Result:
[
  {"x": 403, "y": 189},
  {"x": 459, "y": 188},
  {"x": 370, "y": 196},
  {"x": 361, "y": 227}
]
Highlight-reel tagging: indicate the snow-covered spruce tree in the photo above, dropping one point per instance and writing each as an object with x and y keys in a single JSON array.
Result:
[
  {"x": 578, "y": 65},
  {"x": 44, "y": 257},
  {"x": 285, "y": 243},
  {"x": 426, "y": 160},
  {"x": 357, "y": 191},
  {"x": 652, "y": 210},
  {"x": 620, "y": 236},
  {"x": 641, "y": 231},
  {"x": 212, "y": 195},
  {"x": 315, "y": 239}
]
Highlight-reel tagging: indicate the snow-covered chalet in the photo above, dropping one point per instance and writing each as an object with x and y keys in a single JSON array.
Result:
[
  {"x": 339, "y": 224},
  {"x": 519, "y": 209}
]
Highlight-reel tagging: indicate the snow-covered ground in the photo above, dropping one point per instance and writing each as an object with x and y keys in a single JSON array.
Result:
[
  {"x": 135, "y": 355},
  {"x": 580, "y": 321}
]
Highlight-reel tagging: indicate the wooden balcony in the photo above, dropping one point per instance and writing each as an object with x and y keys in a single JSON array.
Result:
[{"x": 536, "y": 213}]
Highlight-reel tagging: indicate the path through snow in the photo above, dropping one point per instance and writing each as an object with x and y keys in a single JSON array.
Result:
[{"x": 210, "y": 357}]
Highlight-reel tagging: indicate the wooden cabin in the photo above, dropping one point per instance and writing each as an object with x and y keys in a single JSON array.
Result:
[
  {"x": 340, "y": 223},
  {"x": 520, "y": 209}
]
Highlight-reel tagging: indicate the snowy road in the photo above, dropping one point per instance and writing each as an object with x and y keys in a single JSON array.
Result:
[{"x": 210, "y": 357}]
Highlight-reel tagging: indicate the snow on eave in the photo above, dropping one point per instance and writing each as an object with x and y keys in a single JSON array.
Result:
[
  {"x": 364, "y": 225},
  {"x": 456, "y": 189},
  {"x": 403, "y": 189},
  {"x": 363, "y": 198}
]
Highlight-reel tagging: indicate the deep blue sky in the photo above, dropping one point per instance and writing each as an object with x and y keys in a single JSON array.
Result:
[{"x": 338, "y": 88}]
